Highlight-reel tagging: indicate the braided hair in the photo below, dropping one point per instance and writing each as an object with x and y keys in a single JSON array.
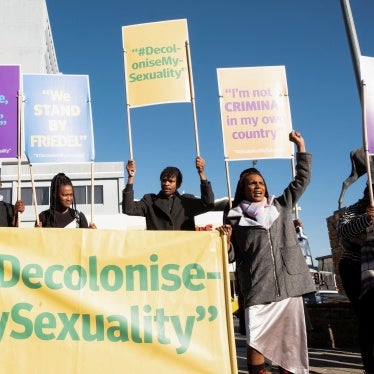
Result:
[{"x": 58, "y": 180}]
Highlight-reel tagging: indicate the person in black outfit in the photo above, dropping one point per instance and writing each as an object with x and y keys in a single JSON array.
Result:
[
  {"x": 356, "y": 233},
  {"x": 168, "y": 210},
  {"x": 60, "y": 214}
]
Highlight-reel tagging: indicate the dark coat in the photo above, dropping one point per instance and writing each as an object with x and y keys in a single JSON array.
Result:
[
  {"x": 156, "y": 208},
  {"x": 6, "y": 214}
]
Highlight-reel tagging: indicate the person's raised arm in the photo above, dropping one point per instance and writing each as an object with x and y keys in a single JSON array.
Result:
[
  {"x": 200, "y": 167},
  {"x": 128, "y": 191},
  {"x": 131, "y": 170},
  {"x": 207, "y": 195},
  {"x": 19, "y": 207}
]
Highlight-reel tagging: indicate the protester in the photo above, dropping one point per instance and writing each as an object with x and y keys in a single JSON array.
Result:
[
  {"x": 272, "y": 272},
  {"x": 9, "y": 212},
  {"x": 356, "y": 232},
  {"x": 60, "y": 214},
  {"x": 169, "y": 210}
]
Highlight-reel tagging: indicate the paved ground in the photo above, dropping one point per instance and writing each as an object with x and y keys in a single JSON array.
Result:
[{"x": 321, "y": 361}]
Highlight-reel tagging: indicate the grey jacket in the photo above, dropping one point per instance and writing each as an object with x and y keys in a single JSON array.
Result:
[{"x": 270, "y": 263}]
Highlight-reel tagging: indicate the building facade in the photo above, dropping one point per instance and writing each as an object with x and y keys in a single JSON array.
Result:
[
  {"x": 26, "y": 37},
  {"x": 26, "y": 40}
]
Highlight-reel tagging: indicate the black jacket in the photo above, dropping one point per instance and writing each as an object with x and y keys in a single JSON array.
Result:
[
  {"x": 6, "y": 214},
  {"x": 161, "y": 215}
]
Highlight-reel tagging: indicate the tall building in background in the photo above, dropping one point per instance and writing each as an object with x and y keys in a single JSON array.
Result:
[{"x": 26, "y": 36}]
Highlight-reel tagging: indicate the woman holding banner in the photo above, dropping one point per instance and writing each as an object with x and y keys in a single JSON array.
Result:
[
  {"x": 169, "y": 210},
  {"x": 60, "y": 214},
  {"x": 272, "y": 271}
]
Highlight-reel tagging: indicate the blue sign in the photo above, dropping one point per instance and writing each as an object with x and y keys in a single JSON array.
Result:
[{"x": 58, "y": 119}]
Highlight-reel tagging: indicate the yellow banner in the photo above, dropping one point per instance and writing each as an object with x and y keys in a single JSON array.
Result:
[
  {"x": 94, "y": 301},
  {"x": 255, "y": 113},
  {"x": 156, "y": 63}
]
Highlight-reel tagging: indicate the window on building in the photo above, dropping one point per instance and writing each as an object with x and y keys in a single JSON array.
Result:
[
  {"x": 98, "y": 195},
  {"x": 82, "y": 195},
  {"x": 6, "y": 193},
  {"x": 42, "y": 195}
]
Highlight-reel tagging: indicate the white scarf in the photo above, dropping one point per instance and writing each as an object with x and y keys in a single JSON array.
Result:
[{"x": 262, "y": 213}]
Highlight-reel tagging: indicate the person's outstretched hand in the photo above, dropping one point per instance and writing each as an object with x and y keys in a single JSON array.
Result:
[
  {"x": 295, "y": 137},
  {"x": 19, "y": 206},
  {"x": 226, "y": 230},
  {"x": 131, "y": 168}
]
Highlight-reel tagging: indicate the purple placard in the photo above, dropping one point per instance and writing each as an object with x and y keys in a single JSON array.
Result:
[
  {"x": 367, "y": 76},
  {"x": 9, "y": 87}
]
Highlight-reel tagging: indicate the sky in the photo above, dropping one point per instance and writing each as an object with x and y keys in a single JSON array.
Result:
[{"x": 307, "y": 37}]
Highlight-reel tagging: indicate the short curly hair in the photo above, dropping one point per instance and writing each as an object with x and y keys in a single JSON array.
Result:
[{"x": 172, "y": 171}]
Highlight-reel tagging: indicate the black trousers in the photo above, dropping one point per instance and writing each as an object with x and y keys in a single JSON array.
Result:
[{"x": 350, "y": 272}]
